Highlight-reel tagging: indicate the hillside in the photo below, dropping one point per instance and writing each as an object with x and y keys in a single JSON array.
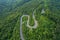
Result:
[{"x": 48, "y": 21}]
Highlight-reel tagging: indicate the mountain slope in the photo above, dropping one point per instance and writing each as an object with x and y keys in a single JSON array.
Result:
[{"x": 48, "y": 23}]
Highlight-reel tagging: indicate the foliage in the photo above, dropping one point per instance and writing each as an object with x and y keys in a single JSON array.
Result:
[{"x": 48, "y": 23}]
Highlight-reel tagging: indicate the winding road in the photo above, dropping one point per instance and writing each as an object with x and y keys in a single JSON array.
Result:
[{"x": 35, "y": 24}]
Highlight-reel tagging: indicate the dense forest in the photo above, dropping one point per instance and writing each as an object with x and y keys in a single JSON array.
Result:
[{"x": 48, "y": 22}]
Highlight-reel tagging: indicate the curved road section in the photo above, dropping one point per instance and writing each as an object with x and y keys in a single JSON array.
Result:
[{"x": 35, "y": 24}]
